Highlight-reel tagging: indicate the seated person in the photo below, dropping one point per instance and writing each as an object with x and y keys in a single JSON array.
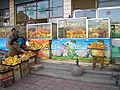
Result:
[{"x": 14, "y": 48}]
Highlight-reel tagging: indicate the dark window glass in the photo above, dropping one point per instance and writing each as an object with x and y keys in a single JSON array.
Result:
[{"x": 4, "y": 17}]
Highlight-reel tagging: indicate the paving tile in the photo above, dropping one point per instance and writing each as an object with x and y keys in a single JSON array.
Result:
[
  {"x": 46, "y": 89},
  {"x": 77, "y": 87},
  {"x": 67, "y": 88},
  {"x": 86, "y": 88},
  {"x": 36, "y": 82},
  {"x": 95, "y": 88},
  {"x": 114, "y": 88},
  {"x": 106, "y": 86},
  {"x": 58, "y": 80},
  {"x": 62, "y": 84},
  {"x": 69, "y": 85},
  {"x": 97, "y": 85},
  {"x": 58, "y": 88}
]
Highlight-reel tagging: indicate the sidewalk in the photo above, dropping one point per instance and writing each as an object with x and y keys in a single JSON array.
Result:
[
  {"x": 57, "y": 76},
  {"x": 37, "y": 82},
  {"x": 62, "y": 70}
]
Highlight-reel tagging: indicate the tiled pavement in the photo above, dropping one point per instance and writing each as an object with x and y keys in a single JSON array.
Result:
[{"x": 37, "y": 82}]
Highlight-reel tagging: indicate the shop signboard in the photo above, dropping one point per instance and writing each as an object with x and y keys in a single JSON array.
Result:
[
  {"x": 72, "y": 28},
  {"x": 44, "y": 45},
  {"x": 40, "y": 35},
  {"x": 71, "y": 49},
  {"x": 3, "y": 44},
  {"x": 4, "y": 32},
  {"x": 99, "y": 28}
]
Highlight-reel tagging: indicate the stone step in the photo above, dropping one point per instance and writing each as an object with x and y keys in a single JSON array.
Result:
[
  {"x": 37, "y": 67},
  {"x": 65, "y": 71},
  {"x": 86, "y": 77},
  {"x": 68, "y": 67}
]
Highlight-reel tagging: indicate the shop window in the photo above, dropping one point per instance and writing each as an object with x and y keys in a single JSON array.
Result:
[
  {"x": 42, "y": 9},
  {"x": 85, "y": 13},
  {"x": 56, "y": 8},
  {"x": 112, "y": 13},
  {"x": 31, "y": 10},
  {"x": 39, "y": 10},
  {"x": 21, "y": 14},
  {"x": 108, "y": 3}
]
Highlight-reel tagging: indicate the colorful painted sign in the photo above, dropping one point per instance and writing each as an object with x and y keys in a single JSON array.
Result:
[
  {"x": 3, "y": 44},
  {"x": 72, "y": 28},
  {"x": 70, "y": 49},
  {"x": 44, "y": 52}
]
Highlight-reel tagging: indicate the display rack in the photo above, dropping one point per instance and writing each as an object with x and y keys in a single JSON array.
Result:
[
  {"x": 98, "y": 28},
  {"x": 98, "y": 55}
]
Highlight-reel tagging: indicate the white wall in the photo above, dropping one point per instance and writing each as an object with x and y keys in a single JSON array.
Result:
[{"x": 66, "y": 8}]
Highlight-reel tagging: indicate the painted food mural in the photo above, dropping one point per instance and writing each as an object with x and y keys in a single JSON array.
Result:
[
  {"x": 71, "y": 49},
  {"x": 98, "y": 28},
  {"x": 72, "y": 28},
  {"x": 44, "y": 46},
  {"x": 39, "y": 31}
]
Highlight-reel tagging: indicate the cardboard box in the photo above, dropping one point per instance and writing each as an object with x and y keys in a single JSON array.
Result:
[
  {"x": 17, "y": 72},
  {"x": 32, "y": 61},
  {"x": 24, "y": 68}
]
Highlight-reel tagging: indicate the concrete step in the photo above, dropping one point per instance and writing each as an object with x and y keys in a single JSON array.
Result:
[
  {"x": 86, "y": 77},
  {"x": 64, "y": 71},
  {"x": 68, "y": 67}
]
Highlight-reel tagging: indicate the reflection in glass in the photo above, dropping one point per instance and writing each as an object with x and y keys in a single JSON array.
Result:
[
  {"x": 113, "y": 14},
  {"x": 42, "y": 9},
  {"x": 31, "y": 10},
  {"x": 85, "y": 13},
  {"x": 98, "y": 28},
  {"x": 56, "y": 8},
  {"x": 72, "y": 28}
]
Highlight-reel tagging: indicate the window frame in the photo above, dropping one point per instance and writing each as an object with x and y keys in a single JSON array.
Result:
[{"x": 37, "y": 1}]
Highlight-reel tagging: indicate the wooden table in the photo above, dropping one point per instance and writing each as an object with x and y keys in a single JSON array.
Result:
[
  {"x": 98, "y": 58},
  {"x": 35, "y": 51},
  {"x": 95, "y": 60}
]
